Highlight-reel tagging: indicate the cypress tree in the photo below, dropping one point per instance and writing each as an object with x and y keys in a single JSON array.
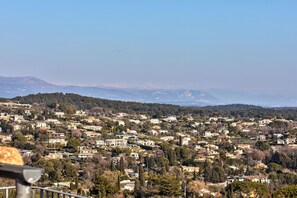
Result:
[
  {"x": 137, "y": 188},
  {"x": 119, "y": 184},
  {"x": 122, "y": 166},
  {"x": 141, "y": 176},
  {"x": 76, "y": 182},
  {"x": 180, "y": 139},
  {"x": 112, "y": 167},
  {"x": 172, "y": 157}
]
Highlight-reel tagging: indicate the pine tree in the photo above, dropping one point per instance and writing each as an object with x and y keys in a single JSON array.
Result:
[{"x": 170, "y": 186}]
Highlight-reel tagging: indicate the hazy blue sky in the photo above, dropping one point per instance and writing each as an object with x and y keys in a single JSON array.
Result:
[{"x": 237, "y": 45}]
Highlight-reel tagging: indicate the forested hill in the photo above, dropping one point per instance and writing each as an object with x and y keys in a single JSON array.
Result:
[{"x": 82, "y": 102}]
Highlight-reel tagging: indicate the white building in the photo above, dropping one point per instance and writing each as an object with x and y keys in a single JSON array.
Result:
[
  {"x": 116, "y": 142},
  {"x": 170, "y": 119},
  {"x": 155, "y": 121},
  {"x": 92, "y": 128},
  {"x": 100, "y": 143},
  {"x": 208, "y": 134},
  {"x": 135, "y": 155},
  {"x": 92, "y": 134},
  {"x": 60, "y": 114},
  {"x": 57, "y": 141},
  {"x": 146, "y": 142},
  {"x": 41, "y": 125},
  {"x": 167, "y": 138},
  {"x": 15, "y": 105}
]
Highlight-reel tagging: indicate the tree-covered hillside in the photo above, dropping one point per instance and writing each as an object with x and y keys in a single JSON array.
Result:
[{"x": 82, "y": 102}]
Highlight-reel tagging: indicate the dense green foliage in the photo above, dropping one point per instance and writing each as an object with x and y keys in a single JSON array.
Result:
[
  {"x": 281, "y": 179},
  {"x": 166, "y": 185},
  {"x": 6, "y": 127},
  {"x": 82, "y": 102},
  {"x": 288, "y": 191},
  {"x": 169, "y": 186},
  {"x": 103, "y": 187},
  {"x": 214, "y": 173},
  {"x": 248, "y": 188},
  {"x": 56, "y": 170},
  {"x": 262, "y": 145}
]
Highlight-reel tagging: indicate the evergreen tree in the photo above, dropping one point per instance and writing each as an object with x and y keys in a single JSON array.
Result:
[
  {"x": 112, "y": 167},
  {"x": 231, "y": 191},
  {"x": 151, "y": 162},
  {"x": 170, "y": 186},
  {"x": 118, "y": 184},
  {"x": 76, "y": 182},
  {"x": 171, "y": 157},
  {"x": 122, "y": 166},
  {"x": 180, "y": 140},
  {"x": 141, "y": 176},
  {"x": 137, "y": 189}
]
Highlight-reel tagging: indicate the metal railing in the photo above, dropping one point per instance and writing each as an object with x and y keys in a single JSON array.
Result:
[
  {"x": 40, "y": 192},
  {"x": 25, "y": 177}
]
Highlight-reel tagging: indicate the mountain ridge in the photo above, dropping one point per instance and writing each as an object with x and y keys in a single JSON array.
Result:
[
  {"x": 21, "y": 86},
  {"x": 11, "y": 87}
]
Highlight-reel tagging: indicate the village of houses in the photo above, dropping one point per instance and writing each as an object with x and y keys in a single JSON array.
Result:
[{"x": 237, "y": 143}]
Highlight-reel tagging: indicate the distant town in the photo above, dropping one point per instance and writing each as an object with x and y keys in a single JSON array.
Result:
[{"x": 104, "y": 152}]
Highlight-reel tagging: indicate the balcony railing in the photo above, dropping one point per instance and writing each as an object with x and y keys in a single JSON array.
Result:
[
  {"x": 25, "y": 177},
  {"x": 38, "y": 192}
]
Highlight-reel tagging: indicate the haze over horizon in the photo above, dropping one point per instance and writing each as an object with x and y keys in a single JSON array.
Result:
[{"x": 239, "y": 46}]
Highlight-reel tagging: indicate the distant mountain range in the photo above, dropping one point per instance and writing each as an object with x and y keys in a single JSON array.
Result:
[{"x": 11, "y": 87}]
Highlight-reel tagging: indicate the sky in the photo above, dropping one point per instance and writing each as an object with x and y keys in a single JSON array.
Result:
[{"x": 248, "y": 45}]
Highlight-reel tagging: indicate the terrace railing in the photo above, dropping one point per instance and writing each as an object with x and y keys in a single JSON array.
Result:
[
  {"x": 25, "y": 177},
  {"x": 38, "y": 192}
]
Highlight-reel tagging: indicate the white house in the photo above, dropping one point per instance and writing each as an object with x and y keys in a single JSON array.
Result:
[
  {"x": 128, "y": 185},
  {"x": 100, "y": 143},
  {"x": 142, "y": 117},
  {"x": 146, "y": 142},
  {"x": 207, "y": 134},
  {"x": 92, "y": 134},
  {"x": 116, "y": 142},
  {"x": 170, "y": 119},
  {"x": 60, "y": 114},
  {"x": 41, "y": 125},
  {"x": 53, "y": 121},
  {"x": 155, "y": 121},
  {"x": 92, "y": 128},
  {"x": 57, "y": 141},
  {"x": 135, "y": 121},
  {"x": 167, "y": 138}
]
